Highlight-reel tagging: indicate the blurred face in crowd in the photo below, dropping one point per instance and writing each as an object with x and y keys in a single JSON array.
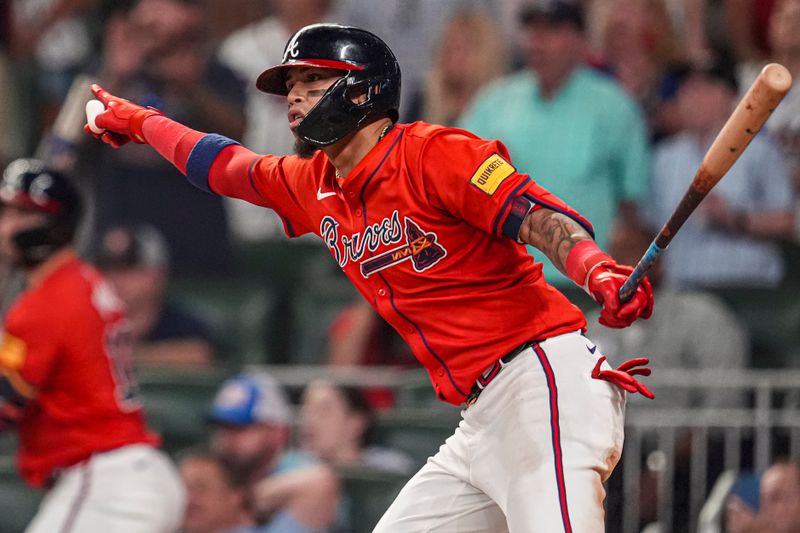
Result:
[
  {"x": 704, "y": 102},
  {"x": 329, "y": 428},
  {"x": 212, "y": 502},
  {"x": 138, "y": 286},
  {"x": 249, "y": 450},
  {"x": 161, "y": 23},
  {"x": 780, "y": 498},
  {"x": 306, "y": 86},
  {"x": 784, "y": 28},
  {"x": 552, "y": 51},
  {"x": 14, "y": 219},
  {"x": 460, "y": 57}
]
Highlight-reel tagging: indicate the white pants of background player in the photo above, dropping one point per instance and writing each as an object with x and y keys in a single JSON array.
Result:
[
  {"x": 133, "y": 489},
  {"x": 530, "y": 456}
]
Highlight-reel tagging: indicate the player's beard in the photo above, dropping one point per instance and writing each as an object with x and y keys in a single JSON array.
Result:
[{"x": 304, "y": 149}]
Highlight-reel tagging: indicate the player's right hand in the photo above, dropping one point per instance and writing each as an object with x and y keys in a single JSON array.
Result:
[
  {"x": 604, "y": 283},
  {"x": 122, "y": 119}
]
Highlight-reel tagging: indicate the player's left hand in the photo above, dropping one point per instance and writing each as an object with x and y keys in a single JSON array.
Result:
[{"x": 604, "y": 283}]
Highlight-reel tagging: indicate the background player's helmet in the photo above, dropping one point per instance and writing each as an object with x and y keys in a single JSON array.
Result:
[
  {"x": 371, "y": 69},
  {"x": 30, "y": 184}
]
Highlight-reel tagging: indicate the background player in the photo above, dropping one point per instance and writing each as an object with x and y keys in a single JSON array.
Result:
[
  {"x": 427, "y": 223},
  {"x": 66, "y": 380}
]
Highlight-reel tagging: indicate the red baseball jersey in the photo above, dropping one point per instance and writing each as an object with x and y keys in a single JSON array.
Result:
[
  {"x": 66, "y": 344},
  {"x": 421, "y": 226}
]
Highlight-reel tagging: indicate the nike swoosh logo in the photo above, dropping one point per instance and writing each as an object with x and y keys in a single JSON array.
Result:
[
  {"x": 322, "y": 195},
  {"x": 592, "y": 349}
]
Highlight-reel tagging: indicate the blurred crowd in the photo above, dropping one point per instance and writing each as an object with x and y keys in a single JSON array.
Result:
[{"x": 610, "y": 104}]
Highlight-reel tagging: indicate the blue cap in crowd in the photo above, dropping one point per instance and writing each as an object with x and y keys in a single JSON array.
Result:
[{"x": 249, "y": 399}]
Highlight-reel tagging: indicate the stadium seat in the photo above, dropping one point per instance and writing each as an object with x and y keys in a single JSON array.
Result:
[
  {"x": 367, "y": 495},
  {"x": 18, "y": 501},
  {"x": 773, "y": 319},
  {"x": 323, "y": 294},
  {"x": 417, "y": 431},
  {"x": 238, "y": 312},
  {"x": 176, "y": 405}
]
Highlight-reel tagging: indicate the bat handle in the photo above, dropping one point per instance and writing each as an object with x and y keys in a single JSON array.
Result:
[{"x": 636, "y": 277}]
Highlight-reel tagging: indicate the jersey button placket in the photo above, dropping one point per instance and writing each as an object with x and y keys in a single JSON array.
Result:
[{"x": 381, "y": 292}]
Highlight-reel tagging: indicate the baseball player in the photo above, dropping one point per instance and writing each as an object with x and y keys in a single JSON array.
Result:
[
  {"x": 65, "y": 375},
  {"x": 429, "y": 224}
]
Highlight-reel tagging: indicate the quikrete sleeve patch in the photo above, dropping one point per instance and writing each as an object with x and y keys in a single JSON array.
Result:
[{"x": 491, "y": 173}]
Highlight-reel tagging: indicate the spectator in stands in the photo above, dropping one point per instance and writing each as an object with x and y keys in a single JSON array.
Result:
[
  {"x": 337, "y": 425},
  {"x": 741, "y": 505},
  {"x": 688, "y": 330},
  {"x": 681, "y": 26},
  {"x": 157, "y": 54},
  {"x": 246, "y": 51},
  {"x": 779, "y": 503},
  {"x": 573, "y": 129},
  {"x": 470, "y": 53},
  {"x": 216, "y": 502},
  {"x": 639, "y": 47},
  {"x": 135, "y": 260},
  {"x": 730, "y": 240},
  {"x": 784, "y": 124},
  {"x": 289, "y": 490},
  {"x": 779, "y": 509}
]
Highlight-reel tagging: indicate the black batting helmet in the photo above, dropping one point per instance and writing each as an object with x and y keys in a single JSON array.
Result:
[
  {"x": 371, "y": 69},
  {"x": 28, "y": 183}
]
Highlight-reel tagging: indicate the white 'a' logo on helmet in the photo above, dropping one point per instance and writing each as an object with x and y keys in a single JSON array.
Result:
[{"x": 291, "y": 48}]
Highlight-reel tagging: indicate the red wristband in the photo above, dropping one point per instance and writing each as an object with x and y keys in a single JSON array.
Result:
[
  {"x": 136, "y": 122},
  {"x": 582, "y": 259}
]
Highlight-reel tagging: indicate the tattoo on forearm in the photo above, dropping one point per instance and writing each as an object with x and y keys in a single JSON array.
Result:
[{"x": 552, "y": 233}]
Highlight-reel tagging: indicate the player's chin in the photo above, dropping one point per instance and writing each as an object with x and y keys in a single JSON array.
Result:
[{"x": 303, "y": 149}]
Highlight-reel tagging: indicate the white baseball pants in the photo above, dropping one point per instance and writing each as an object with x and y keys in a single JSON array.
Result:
[
  {"x": 133, "y": 489},
  {"x": 529, "y": 456}
]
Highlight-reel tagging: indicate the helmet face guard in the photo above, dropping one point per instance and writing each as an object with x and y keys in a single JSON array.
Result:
[
  {"x": 371, "y": 70},
  {"x": 29, "y": 184}
]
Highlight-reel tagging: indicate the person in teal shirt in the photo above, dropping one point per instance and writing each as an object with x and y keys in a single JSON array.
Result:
[{"x": 570, "y": 127}]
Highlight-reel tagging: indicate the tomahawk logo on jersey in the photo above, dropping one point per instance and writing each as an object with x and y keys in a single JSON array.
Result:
[{"x": 420, "y": 247}]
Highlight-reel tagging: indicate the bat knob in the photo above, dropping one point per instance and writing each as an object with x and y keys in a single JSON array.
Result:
[{"x": 777, "y": 77}]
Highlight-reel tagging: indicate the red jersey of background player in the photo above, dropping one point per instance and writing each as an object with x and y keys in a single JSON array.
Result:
[
  {"x": 421, "y": 226},
  {"x": 77, "y": 364}
]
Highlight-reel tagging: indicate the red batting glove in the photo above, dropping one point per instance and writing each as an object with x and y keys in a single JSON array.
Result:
[
  {"x": 122, "y": 119},
  {"x": 623, "y": 376},
  {"x": 602, "y": 278},
  {"x": 604, "y": 283}
]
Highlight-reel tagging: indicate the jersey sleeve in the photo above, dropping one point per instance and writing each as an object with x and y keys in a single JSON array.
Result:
[
  {"x": 475, "y": 180},
  {"x": 29, "y": 350},
  {"x": 229, "y": 169}
]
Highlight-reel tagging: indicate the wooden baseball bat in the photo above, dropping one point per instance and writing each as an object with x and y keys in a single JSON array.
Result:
[
  {"x": 58, "y": 147},
  {"x": 764, "y": 95}
]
